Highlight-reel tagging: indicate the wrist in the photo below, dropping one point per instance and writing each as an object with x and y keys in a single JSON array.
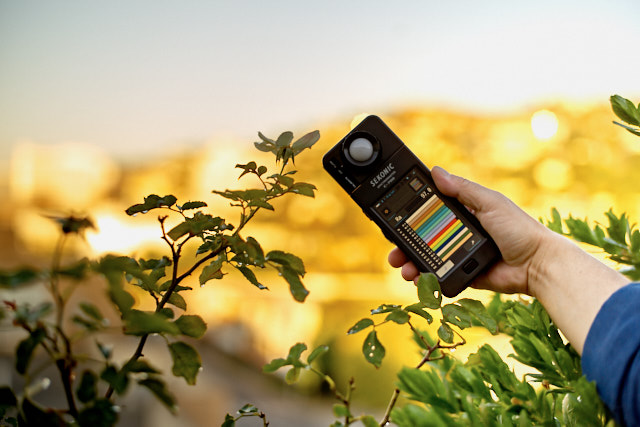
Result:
[{"x": 553, "y": 255}]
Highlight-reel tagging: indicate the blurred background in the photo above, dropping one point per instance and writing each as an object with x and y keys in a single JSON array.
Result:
[{"x": 104, "y": 103}]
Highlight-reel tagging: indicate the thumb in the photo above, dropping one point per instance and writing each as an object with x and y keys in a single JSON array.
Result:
[{"x": 474, "y": 196}]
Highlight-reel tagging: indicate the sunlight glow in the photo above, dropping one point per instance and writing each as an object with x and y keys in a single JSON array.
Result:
[
  {"x": 544, "y": 124},
  {"x": 114, "y": 235}
]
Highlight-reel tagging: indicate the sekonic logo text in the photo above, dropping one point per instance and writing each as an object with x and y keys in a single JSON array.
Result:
[{"x": 381, "y": 175}]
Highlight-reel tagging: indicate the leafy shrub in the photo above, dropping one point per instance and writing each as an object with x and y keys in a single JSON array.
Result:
[{"x": 91, "y": 392}]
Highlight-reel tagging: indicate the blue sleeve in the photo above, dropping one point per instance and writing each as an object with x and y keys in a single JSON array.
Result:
[{"x": 611, "y": 355}]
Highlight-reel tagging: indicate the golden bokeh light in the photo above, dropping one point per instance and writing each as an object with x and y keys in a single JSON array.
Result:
[
  {"x": 553, "y": 174},
  {"x": 116, "y": 233},
  {"x": 63, "y": 176},
  {"x": 544, "y": 124}
]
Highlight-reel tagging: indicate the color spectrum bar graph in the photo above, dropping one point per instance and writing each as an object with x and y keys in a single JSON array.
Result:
[{"x": 438, "y": 226}]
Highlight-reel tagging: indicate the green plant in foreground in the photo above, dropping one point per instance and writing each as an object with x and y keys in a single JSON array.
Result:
[
  {"x": 92, "y": 385},
  {"x": 444, "y": 391}
]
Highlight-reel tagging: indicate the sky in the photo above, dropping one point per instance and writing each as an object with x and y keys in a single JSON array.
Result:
[{"x": 135, "y": 77}]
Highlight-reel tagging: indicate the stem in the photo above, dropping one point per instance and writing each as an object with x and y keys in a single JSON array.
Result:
[
  {"x": 175, "y": 280},
  {"x": 427, "y": 358},
  {"x": 66, "y": 363},
  {"x": 392, "y": 403},
  {"x": 55, "y": 283}
]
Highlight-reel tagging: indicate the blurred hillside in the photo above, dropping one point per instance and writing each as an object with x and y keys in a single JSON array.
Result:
[{"x": 568, "y": 156}]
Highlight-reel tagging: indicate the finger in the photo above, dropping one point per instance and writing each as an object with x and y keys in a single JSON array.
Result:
[
  {"x": 473, "y": 195},
  {"x": 397, "y": 258},
  {"x": 409, "y": 271}
]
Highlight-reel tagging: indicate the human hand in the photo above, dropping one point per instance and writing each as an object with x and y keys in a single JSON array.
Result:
[{"x": 519, "y": 237}]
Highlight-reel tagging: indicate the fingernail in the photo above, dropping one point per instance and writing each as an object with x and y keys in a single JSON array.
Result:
[{"x": 443, "y": 171}]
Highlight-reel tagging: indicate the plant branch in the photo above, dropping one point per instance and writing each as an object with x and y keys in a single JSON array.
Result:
[
  {"x": 392, "y": 403},
  {"x": 66, "y": 363}
]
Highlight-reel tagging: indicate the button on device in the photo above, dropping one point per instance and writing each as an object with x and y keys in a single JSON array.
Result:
[{"x": 469, "y": 266}]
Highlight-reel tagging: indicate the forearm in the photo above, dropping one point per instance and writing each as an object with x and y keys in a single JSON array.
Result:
[{"x": 572, "y": 285}]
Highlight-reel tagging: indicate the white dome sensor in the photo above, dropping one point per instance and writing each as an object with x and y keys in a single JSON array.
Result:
[{"x": 361, "y": 149}]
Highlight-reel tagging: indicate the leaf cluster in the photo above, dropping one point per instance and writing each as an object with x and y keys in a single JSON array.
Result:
[
  {"x": 627, "y": 112},
  {"x": 619, "y": 238}
]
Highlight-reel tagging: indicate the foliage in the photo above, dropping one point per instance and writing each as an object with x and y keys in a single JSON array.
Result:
[
  {"x": 50, "y": 330},
  {"x": 627, "y": 112},
  {"x": 484, "y": 390}
]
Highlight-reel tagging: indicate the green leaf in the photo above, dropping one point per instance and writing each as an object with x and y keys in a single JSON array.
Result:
[
  {"x": 118, "y": 380},
  {"x": 360, "y": 325},
  {"x": 292, "y": 375},
  {"x": 177, "y": 300},
  {"x": 306, "y": 141},
  {"x": 212, "y": 271},
  {"x": 580, "y": 231},
  {"x": 304, "y": 189},
  {"x": 88, "y": 388},
  {"x": 250, "y": 276},
  {"x": 618, "y": 227},
  {"x": 101, "y": 413},
  {"x": 139, "y": 365},
  {"x": 248, "y": 409},
  {"x": 398, "y": 316},
  {"x": 284, "y": 139},
  {"x": 18, "y": 277},
  {"x": 625, "y": 110},
  {"x": 429, "y": 291},
  {"x": 25, "y": 349},
  {"x": 186, "y": 361},
  {"x": 385, "y": 308},
  {"x": 140, "y": 323},
  {"x": 159, "y": 389},
  {"x": 295, "y": 351},
  {"x": 556, "y": 221},
  {"x": 197, "y": 225},
  {"x": 479, "y": 312},
  {"x": 191, "y": 325},
  {"x": 318, "y": 351},
  {"x": 445, "y": 333},
  {"x": 286, "y": 260},
  {"x": 373, "y": 350},
  {"x": 341, "y": 411},
  {"x": 369, "y": 421},
  {"x": 274, "y": 365},
  {"x": 77, "y": 270},
  {"x": 152, "y": 201},
  {"x": 418, "y": 309},
  {"x": 229, "y": 421},
  {"x": 248, "y": 168},
  {"x": 287, "y": 181},
  {"x": 92, "y": 311},
  {"x": 456, "y": 315},
  {"x": 259, "y": 203},
  {"x": 297, "y": 289},
  {"x": 193, "y": 205}
]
